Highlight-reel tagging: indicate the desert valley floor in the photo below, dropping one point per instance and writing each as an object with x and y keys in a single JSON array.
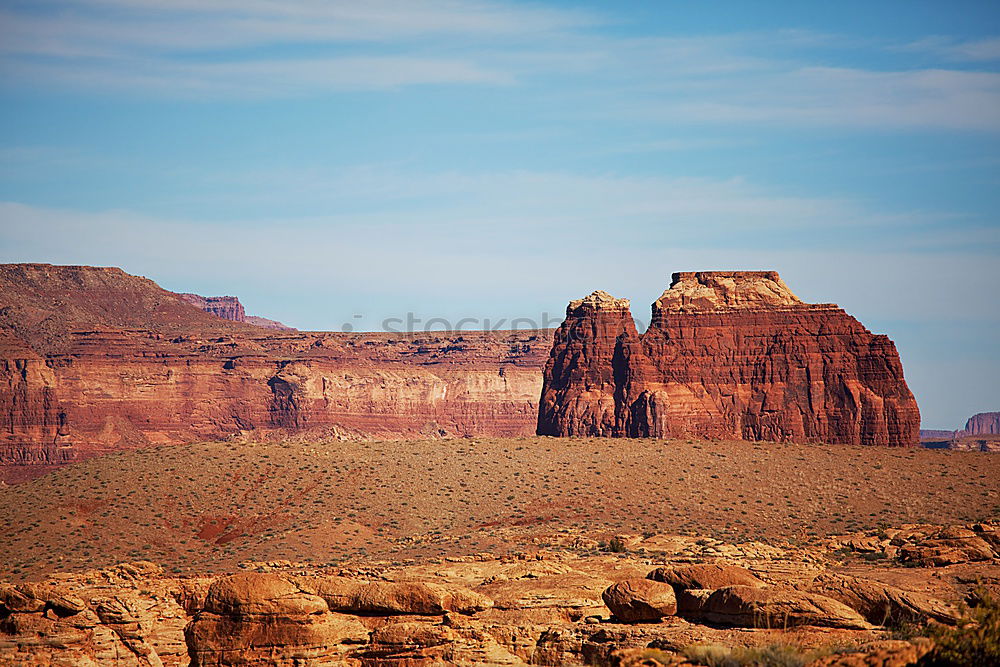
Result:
[{"x": 205, "y": 507}]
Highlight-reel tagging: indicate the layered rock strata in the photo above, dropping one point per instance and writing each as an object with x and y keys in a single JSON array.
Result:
[
  {"x": 729, "y": 355},
  {"x": 984, "y": 423},
  {"x": 226, "y": 307},
  {"x": 94, "y": 360}
]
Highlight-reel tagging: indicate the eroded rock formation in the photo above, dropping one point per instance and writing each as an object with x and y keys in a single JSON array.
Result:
[
  {"x": 230, "y": 308},
  {"x": 984, "y": 423},
  {"x": 580, "y": 395},
  {"x": 542, "y": 608},
  {"x": 226, "y": 307},
  {"x": 728, "y": 354},
  {"x": 94, "y": 360}
]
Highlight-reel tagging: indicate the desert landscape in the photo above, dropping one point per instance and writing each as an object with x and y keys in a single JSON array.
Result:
[
  {"x": 474, "y": 333},
  {"x": 232, "y": 494}
]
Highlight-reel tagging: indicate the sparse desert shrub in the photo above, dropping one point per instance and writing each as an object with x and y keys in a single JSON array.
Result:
[
  {"x": 772, "y": 655},
  {"x": 974, "y": 641},
  {"x": 616, "y": 545}
]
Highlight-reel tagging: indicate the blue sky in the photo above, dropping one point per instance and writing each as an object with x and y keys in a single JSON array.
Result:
[{"x": 342, "y": 162}]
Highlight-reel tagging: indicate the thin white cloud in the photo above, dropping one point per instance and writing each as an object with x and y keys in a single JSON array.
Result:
[
  {"x": 504, "y": 262},
  {"x": 104, "y": 26},
  {"x": 957, "y": 50},
  {"x": 508, "y": 213},
  {"x": 252, "y": 79},
  {"x": 841, "y": 96},
  {"x": 318, "y": 273},
  {"x": 264, "y": 48}
]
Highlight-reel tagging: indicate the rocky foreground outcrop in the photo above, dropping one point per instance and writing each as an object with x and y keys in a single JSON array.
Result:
[
  {"x": 95, "y": 360},
  {"x": 550, "y": 608},
  {"x": 728, "y": 354}
]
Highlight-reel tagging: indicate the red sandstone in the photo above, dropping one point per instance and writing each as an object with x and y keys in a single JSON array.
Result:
[
  {"x": 727, "y": 355},
  {"x": 95, "y": 360}
]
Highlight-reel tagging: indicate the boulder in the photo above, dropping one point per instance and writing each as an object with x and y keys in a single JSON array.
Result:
[
  {"x": 691, "y": 601},
  {"x": 937, "y": 546},
  {"x": 709, "y": 576},
  {"x": 412, "y": 635},
  {"x": 12, "y": 599},
  {"x": 266, "y": 619},
  {"x": 56, "y": 598},
  {"x": 260, "y": 594},
  {"x": 391, "y": 598},
  {"x": 637, "y": 600},
  {"x": 882, "y": 604},
  {"x": 550, "y": 598},
  {"x": 778, "y": 608},
  {"x": 276, "y": 641}
]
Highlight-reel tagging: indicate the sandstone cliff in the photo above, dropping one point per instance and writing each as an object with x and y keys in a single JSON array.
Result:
[
  {"x": 984, "y": 423},
  {"x": 95, "y": 359},
  {"x": 729, "y": 355},
  {"x": 580, "y": 399},
  {"x": 226, "y": 307}
]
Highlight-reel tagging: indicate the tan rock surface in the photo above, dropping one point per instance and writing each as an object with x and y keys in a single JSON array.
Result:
[
  {"x": 266, "y": 619},
  {"x": 548, "y": 611},
  {"x": 707, "y": 290},
  {"x": 638, "y": 600},
  {"x": 706, "y": 576},
  {"x": 771, "y": 607},
  {"x": 882, "y": 604},
  {"x": 391, "y": 598}
]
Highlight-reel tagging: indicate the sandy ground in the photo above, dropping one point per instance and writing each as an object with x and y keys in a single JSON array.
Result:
[{"x": 206, "y": 507}]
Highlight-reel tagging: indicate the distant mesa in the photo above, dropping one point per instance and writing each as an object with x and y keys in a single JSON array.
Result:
[
  {"x": 981, "y": 433},
  {"x": 728, "y": 354},
  {"x": 230, "y": 308},
  {"x": 984, "y": 423}
]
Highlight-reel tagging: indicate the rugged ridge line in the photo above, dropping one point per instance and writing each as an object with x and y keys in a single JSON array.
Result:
[
  {"x": 95, "y": 360},
  {"x": 230, "y": 308},
  {"x": 728, "y": 354}
]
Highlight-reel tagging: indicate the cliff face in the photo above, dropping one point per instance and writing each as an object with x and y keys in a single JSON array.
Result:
[
  {"x": 984, "y": 423},
  {"x": 226, "y": 307},
  {"x": 29, "y": 407},
  {"x": 579, "y": 398},
  {"x": 94, "y": 360},
  {"x": 738, "y": 355}
]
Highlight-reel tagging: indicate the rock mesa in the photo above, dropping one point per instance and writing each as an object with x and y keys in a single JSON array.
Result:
[
  {"x": 93, "y": 360},
  {"x": 728, "y": 354},
  {"x": 984, "y": 423}
]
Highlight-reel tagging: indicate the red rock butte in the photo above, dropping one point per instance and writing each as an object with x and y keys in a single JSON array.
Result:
[{"x": 728, "y": 354}]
